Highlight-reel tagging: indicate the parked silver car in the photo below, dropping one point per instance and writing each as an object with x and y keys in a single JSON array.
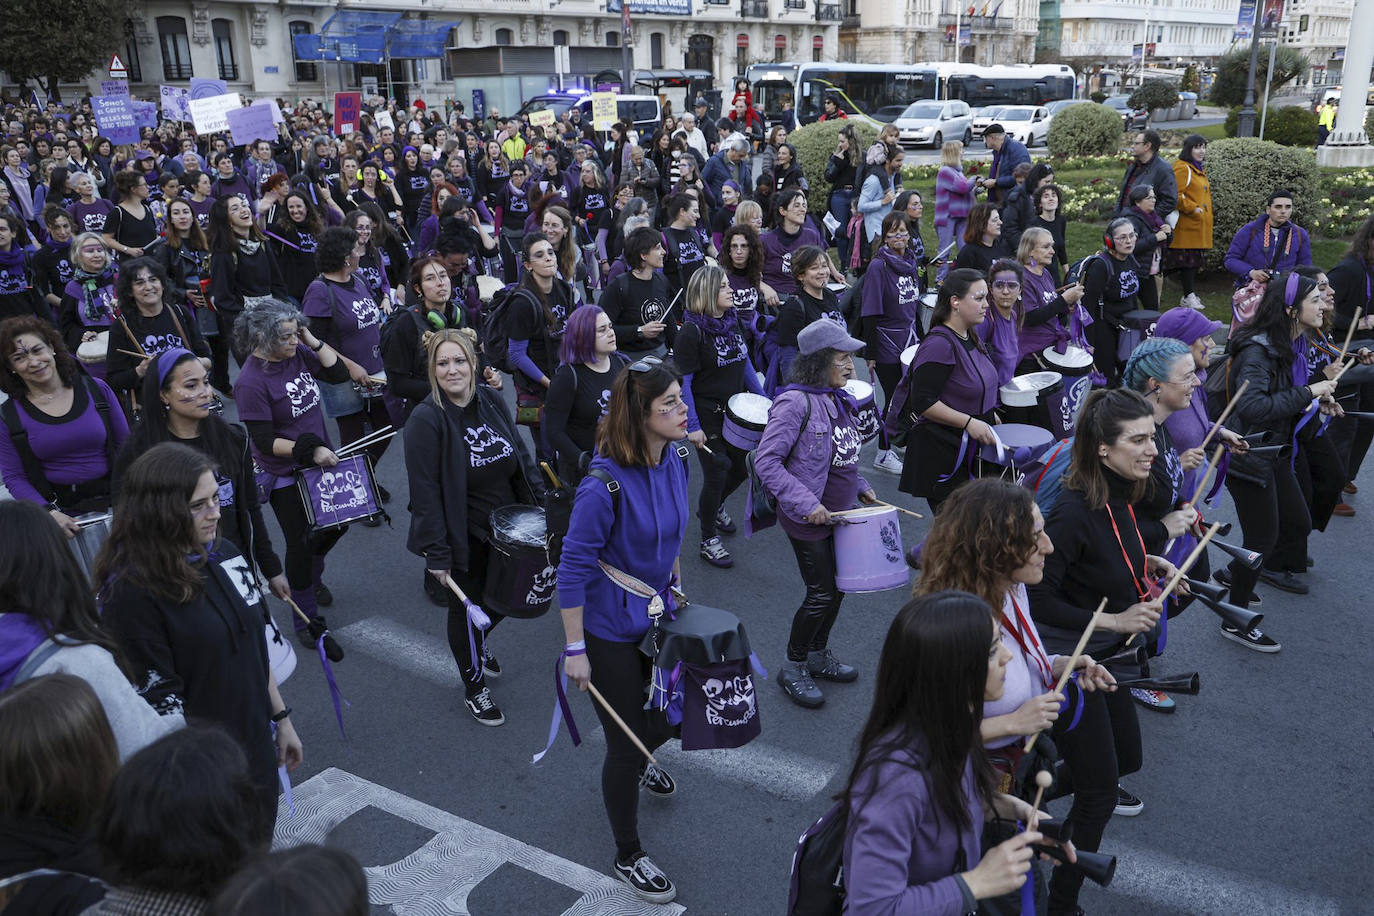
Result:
[{"x": 931, "y": 123}]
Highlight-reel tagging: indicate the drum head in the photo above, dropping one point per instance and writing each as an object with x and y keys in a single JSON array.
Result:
[
  {"x": 749, "y": 407},
  {"x": 519, "y": 525},
  {"x": 860, "y": 389},
  {"x": 909, "y": 355},
  {"x": 1024, "y": 390},
  {"x": 1072, "y": 357},
  {"x": 94, "y": 351},
  {"x": 487, "y": 287}
]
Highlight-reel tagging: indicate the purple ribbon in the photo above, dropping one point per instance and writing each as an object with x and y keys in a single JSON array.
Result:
[
  {"x": 285, "y": 780},
  {"x": 1223, "y": 466},
  {"x": 1077, "y": 707},
  {"x": 479, "y": 619},
  {"x": 964, "y": 457},
  {"x": 1306, "y": 418},
  {"x": 1028, "y": 894},
  {"x": 334, "y": 695},
  {"x": 561, "y": 709}
]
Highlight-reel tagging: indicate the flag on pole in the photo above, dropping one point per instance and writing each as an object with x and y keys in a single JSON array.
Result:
[
  {"x": 996, "y": 9},
  {"x": 625, "y": 18}
]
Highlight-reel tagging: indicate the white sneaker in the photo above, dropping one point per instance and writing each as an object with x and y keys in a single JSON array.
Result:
[
  {"x": 1193, "y": 302},
  {"x": 887, "y": 461}
]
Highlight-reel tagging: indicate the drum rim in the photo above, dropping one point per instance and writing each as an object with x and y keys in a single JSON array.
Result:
[
  {"x": 866, "y": 512},
  {"x": 859, "y": 384},
  {"x": 1051, "y": 355}
]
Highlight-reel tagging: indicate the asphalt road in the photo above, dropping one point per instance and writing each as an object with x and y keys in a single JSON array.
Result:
[{"x": 1254, "y": 794}]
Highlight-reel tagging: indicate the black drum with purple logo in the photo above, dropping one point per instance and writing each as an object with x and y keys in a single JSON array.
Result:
[
  {"x": 340, "y": 495},
  {"x": 521, "y": 578}
]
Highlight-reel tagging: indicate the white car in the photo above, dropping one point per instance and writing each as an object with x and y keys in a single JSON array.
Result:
[
  {"x": 1027, "y": 124},
  {"x": 984, "y": 116},
  {"x": 931, "y": 123}
]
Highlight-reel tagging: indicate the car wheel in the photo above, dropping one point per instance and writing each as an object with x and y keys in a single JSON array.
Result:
[
  {"x": 968, "y": 137},
  {"x": 939, "y": 140}
]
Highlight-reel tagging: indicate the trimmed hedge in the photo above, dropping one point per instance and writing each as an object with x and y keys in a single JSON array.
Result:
[
  {"x": 1292, "y": 125},
  {"x": 1085, "y": 130},
  {"x": 815, "y": 144},
  {"x": 1243, "y": 172}
]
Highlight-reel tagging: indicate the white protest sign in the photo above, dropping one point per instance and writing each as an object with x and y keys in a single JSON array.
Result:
[{"x": 208, "y": 115}]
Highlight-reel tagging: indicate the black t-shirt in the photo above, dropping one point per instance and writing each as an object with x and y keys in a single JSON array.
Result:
[
  {"x": 1110, "y": 286},
  {"x": 130, "y": 232},
  {"x": 576, "y": 401},
  {"x": 52, "y": 269},
  {"x": 717, "y": 363},
  {"x": 492, "y": 464},
  {"x": 686, "y": 255},
  {"x": 631, "y": 303},
  {"x": 801, "y": 309},
  {"x": 593, "y": 205},
  {"x": 529, "y": 322}
]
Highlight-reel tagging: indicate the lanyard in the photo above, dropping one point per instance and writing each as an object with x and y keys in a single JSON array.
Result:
[
  {"x": 1145, "y": 588},
  {"x": 1025, "y": 638}
]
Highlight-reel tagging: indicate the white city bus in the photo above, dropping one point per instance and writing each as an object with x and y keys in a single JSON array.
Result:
[{"x": 882, "y": 91}]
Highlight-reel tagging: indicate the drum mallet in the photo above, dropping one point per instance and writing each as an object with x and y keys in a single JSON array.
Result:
[
  {"x": 596, "y": 694},
  {"x": 479, "y": 617},
  {"x": 1183, "y": 569},
  {"x": 1073, "y": 661},
  {"x": 1043, "y": 780}
]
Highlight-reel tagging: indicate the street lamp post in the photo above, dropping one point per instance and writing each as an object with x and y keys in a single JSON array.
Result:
[{"x": 1245, "y": 124}]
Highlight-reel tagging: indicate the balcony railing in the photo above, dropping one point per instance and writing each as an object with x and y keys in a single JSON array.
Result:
[
  {"x": 828, "y": 12},
  {"x": 978, "y": 23},
  {"x": 795, "y": 4},
  {"x": 755, "y": 9}
]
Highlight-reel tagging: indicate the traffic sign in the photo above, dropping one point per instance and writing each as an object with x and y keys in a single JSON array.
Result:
[{"x": 117, "y": 68}]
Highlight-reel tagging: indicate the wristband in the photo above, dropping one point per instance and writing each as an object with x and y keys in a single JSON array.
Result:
[
  {"x": 569, "y": 653},
  {"x": 319, "y": 348},
  {"x": 280, "y": 716},
  {"x": 578, "y": 647},
  {"x": 968, "y": 421}
]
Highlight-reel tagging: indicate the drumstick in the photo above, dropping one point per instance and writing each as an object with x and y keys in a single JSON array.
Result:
[
  {"x": 1043, "y": 780},
  {"x": 705, "y": 448},
  {"x": 377, "y": 435},
  {"x": 596, "y": 694},
  {"x": 361, "y": 446},
  {"x": 139, "y": 356},
  {"x": 1235, "y": 398},
  {"x": 557, "y": 484},
  {"x": 130, "y": 334},
  {"x": 1073, "y": 660},
  {"x": 1349, "y": 333},
  {"x": 1183, "y": 570},
  {"x": 1337, "y": 376},
  {"x": 879, "y": 502},
  {"x": 297, "y": 608}
]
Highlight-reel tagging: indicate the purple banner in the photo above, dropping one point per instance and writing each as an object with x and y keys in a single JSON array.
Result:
[
  {"x": 114, "y": 87},
  {"x": 115, "y": 117},
  {"x": 249, "y": 124},
  {"x": 145, "y": 114}
]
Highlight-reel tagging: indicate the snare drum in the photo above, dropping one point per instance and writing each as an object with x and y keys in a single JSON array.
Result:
[
  {"x": 1075, "y": 364},
  {"x": 926, "y": 312},
  {"x": 520, "y": 578},
  {"x": 95, "y": 529},
  {"x": 375, "y": 387},
  {"x": 868, "y": 551},
  {"x": 866, "y": 415},
  {"x": 908, "y": 357},
  {"x": 339, "y": 495},
  {"x": 1022, "y": 445},
  {"x": 92, "y": 354},
  {"x": 746, "y": 414},
  {"x": 1137, "y": 325},
  {"x": 1026, "y": 398}
]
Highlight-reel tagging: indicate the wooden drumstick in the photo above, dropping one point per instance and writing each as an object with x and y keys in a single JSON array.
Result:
[
  {"x": 1043, "y": 780},
  {"x": 1202, "y": 483},
  {"x": 297, "y": 608},
  {"x": 1349, "y": 333},
  {"x": 1073, "y": 661},
  {"x": 553, "y": 478},
  {"x": 596, "y": 694},
  {"x": 1337, "y": 376},
  {"x": 138, "y": 356},
  {"x": 879, "y": 502},
  {"x": 1183, "y": 569},
  {"x": 1231, "y": 405}
]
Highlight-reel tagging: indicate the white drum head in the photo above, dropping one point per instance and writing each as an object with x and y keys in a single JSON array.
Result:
[
  {"x": 1072, "y": 357},
  {"x": 94, "y": 351},
  {"x": 1024, "y": 390},
  {"x": 749, "y": 407},
  {"x": 909, "y": 355},
  {"x": 860, "y": 389},
  {"x": 488, "y": 287}
]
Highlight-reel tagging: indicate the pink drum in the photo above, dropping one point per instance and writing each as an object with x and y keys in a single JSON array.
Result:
[{"x": 868, "y": 551}]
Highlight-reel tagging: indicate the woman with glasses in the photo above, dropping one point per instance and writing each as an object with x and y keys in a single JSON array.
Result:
[
  {"x": 63, "y": 428},
  {"x": 580, "y": 390},
  {"x": 185, "y": 609},
  {"x": 1111, "y": 287},
  {"x": 464, "y": 458},
  {"x": 88, "y": 301},
  {"x": 1152, "y": 241},
  {"x": 808, "y": 459},
  {"x": 891, "y": 297},
  {"x": 712, "y": 353},
  {"x": 153, "y": 323},
  {"x": 279, "y": 401},
  {"x": 535, "y": 327},
  {"x": 638, "y": 531},
  {"x": 130, "y": 227},
  {"x": 1000, "y": 329},
  {"x": 953, "y": 392},
  {"x": 1048, "y": 315}
]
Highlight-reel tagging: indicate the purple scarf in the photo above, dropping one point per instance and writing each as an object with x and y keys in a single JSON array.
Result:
[
  {"x": 20, "y": 634},
  {"x": 1000, "y": 334},
  {"x": 12, "y": 261},
  {"x": 1300, "y": 368},
  {"x": 1150, "y": 219},
  {"x": 726, "y": 324},
  {"x": 843, "y": 399}
]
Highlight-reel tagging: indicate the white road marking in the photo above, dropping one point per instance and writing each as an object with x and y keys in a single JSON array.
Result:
[
  {"x": 437, "y": 878},
  {"x": 776, "y": 771}
]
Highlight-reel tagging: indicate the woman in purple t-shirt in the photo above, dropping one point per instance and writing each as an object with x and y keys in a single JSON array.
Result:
[
  {"x": 88, "y": 211},
  {"x": 279, "y": 401}
]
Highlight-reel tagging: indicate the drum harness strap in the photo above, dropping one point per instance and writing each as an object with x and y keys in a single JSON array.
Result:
[{"x": 33, "y": 468}]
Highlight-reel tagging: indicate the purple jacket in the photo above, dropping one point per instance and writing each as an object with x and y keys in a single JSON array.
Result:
[
  {"x": 953, "y": 195},
  {"x": 1248, "y": 250},
  {"x": 901, "y": 853},
  {"x": 792, "y": 463}
]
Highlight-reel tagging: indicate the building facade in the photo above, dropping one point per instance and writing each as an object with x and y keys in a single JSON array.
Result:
[
  {"x": 1321, "y": 30},
  {"x": 249, "y": 44},
  {"x": 1112, "y": 31},
  {"x": 906, "y": 31}
]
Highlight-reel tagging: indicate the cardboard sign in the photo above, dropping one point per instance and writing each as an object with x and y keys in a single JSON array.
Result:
[
  {"x": 114, "y": 87},
  {"x": 348, "y": 109},
  {"x": 174, "y": 103},
  {"x": 114, "y": 114},
  {"x": 603, "y": 110},
  {"x": 544, "y": 118},
  {"x": 270, "y": 104},
  {"x": 202, "y": 88},
  {"x": 145, "y": 114},
  {"x": 249, "y": 124},
  {"x": 208, "y": 115},
  {"x": 384, "y": 120}
]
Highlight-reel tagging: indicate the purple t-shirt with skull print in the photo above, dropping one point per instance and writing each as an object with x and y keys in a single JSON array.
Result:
[
  {"x": 356, "y": 328},
  {"x": 286, "y": 395}
]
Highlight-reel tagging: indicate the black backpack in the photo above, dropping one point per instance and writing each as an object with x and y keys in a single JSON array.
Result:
[
  {"x": 493, "y": 333},
  {"x": 394, "y": 320},
  {"x": 817, "y": 881},
  {"x": 1078, "y": 270}
]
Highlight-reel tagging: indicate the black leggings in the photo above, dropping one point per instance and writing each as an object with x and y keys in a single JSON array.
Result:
[
  {"x": 722, "y": 469},
  {"x": 621, "y": 672},
  {"x": 305, "y": 552},
  {"x": 889, "y": 374},
  {"x": 1273, "y": 519},
  {"x": 1187, "y": 276},
  {"x": 473, "y": 582},
  {"x": 1351, "y": 436},
  {"x": 220, "y": 347},
  {"x": 1104, "y": 747},
  {"x": 1103, "y": 335},
  {"x": 355, "y": 425},
  {"x": 813, "y": 620}
]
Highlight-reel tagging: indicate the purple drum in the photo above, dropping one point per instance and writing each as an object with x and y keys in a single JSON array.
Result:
[
  {"x": 746, "y": 414},
  {"x": 1026, "y": 398},
  {"x": 866, "y": 417},
  {"x": 1022, "y": 444},
  {"x": 868, "y": 551},
  {"x": 1075, "y": 364},
  {"x": 520, "y": 576},
  {"x": 339, "y": 495}
]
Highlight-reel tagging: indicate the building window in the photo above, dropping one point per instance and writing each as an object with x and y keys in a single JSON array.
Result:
[
  {"x": 779, "y": 48},
  {"x": 306, "y": 72},
  {"x": 701, "y": 52},
  {"x": 741, "y": 52},
  {"x": 612, "y": 39},
  {"x": 131, "y": 60},
  {"x": 656, "y": 51},
  {"x": 816, "y": 53},
  {"x": 560, "y": 38},
  {"x": 505, "y": 37},
  {"x": 176, "y": 50},
  {"x": 223, "y": 30}
]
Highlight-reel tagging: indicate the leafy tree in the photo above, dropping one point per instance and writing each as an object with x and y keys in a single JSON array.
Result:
[
  {"x": 52, "y": 40},
  {"x": 1228, "y": 89},
  {"x": 1192, "y": 80},
  {"x": 1153, "y": 94}
]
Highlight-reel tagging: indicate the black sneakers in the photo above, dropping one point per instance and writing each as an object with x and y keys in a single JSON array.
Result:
[
  {"x": 490, "y": 666},
  {"x": 645, "y": 878},
  {"x": 1284, "y": 581},
  {"x": 323, "y": 596},
  {"x": 656, "y": 781},
  {"x": 724, "y": 523},
  {"x": 827, "y": 667},
  {"x": 1254, "y": 638},
  {"x": 1127, "y": 805},
  {"x": 483, "y": 709},
  {"x": 311, "y": 634},
  {"x": 714, "y": 552}
]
